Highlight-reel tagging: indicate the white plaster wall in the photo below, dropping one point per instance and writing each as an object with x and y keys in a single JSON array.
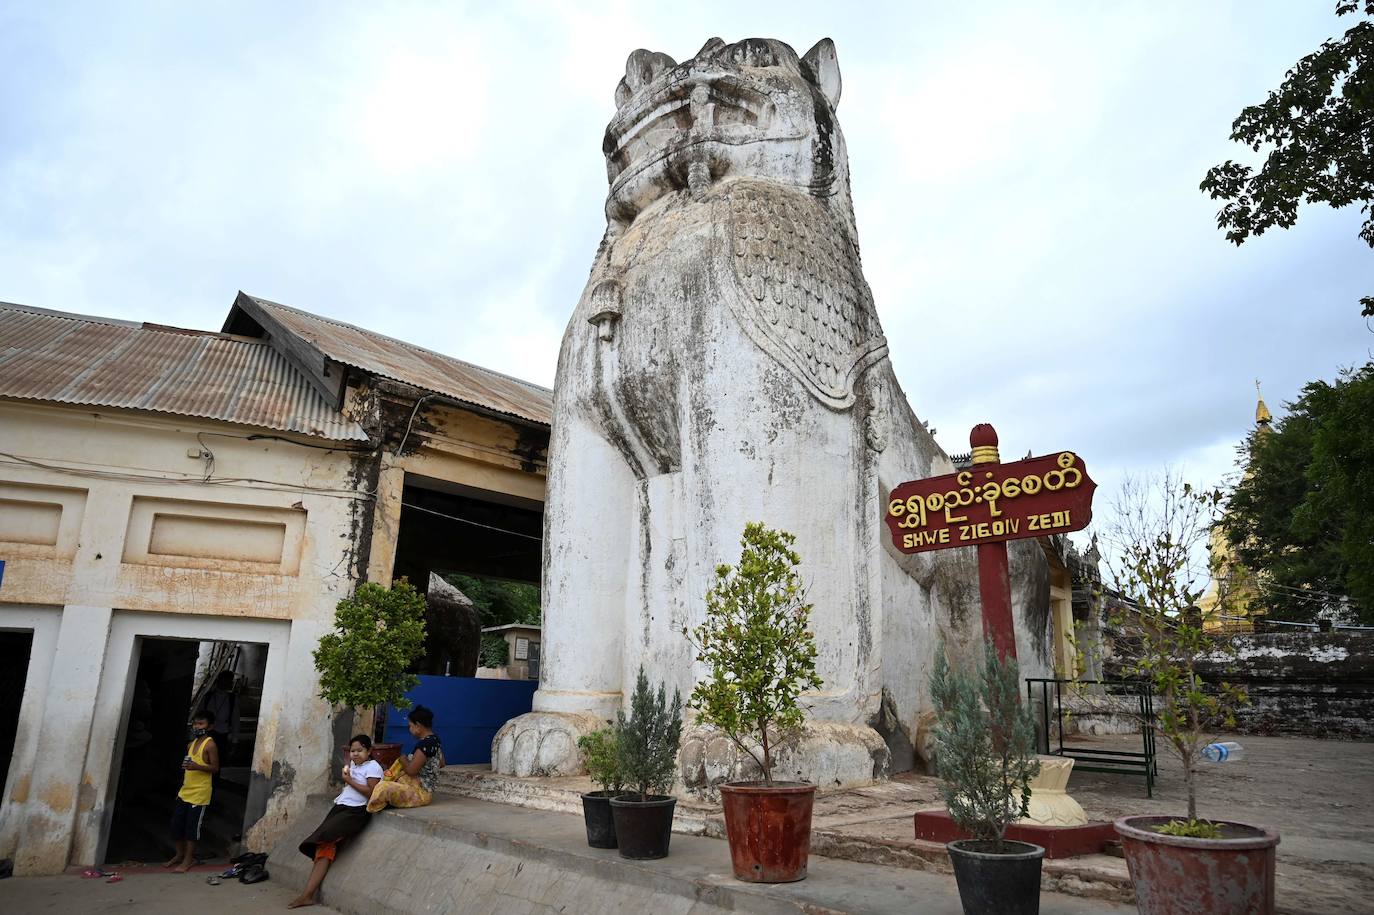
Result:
[
  {"x": 108, "y": 602},
  {"x": 43, "y": 623}
]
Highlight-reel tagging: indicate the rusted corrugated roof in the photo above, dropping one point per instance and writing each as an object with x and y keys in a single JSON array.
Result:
[
  {"x": 76, "y": 359},
  {"x": 405, "y": 362}
]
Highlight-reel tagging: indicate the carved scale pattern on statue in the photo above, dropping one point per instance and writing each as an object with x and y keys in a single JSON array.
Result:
[{"x": 805, "y": 300}]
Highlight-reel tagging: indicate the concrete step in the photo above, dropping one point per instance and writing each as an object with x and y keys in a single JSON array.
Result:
[
  {"x": 870, "y": 824},
  {"x": 461, "y": 856}
]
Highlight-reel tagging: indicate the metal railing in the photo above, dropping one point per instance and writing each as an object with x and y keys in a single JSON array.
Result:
[{"x": 1092, "y": 759}]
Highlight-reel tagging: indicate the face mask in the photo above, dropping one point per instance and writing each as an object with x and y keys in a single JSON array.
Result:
[{"x": 198, "y": 732}]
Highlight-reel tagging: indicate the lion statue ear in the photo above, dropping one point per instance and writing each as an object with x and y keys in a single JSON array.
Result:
[{"x": 823, "y": 69}]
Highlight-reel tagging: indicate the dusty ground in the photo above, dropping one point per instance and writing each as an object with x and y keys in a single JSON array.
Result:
[
  {"x": 145, "y": 892},
  {"x": 1319, "y": 794}
]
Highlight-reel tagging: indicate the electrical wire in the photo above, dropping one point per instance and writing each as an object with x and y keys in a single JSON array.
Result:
[
  {"x": 502, "y": 530},
  {"x": 246, "y": 482}
]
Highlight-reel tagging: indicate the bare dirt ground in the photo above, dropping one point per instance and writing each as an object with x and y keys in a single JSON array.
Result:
[{"x": 1319, "y": 794}]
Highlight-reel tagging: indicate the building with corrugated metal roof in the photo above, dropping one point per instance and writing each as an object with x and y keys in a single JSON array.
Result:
[{"x": 179, "y": 503}]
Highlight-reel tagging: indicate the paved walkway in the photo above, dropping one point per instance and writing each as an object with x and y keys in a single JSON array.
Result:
[
  {"x": 461, "y": 856},
  {"x": 1318, "y": 793},
  {"x": 145, "y": 892}
]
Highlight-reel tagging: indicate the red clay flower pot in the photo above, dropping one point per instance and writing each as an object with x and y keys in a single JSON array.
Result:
[
  {"x": 1174, "y": 875},
  {"x": 769, "y": 829},
  {"x": 386, "y": 753}
]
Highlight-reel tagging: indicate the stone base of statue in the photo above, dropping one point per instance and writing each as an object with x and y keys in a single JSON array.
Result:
[
  {"x": 1050, "y": 804},
  {"x": 542, "y": 744},
  {"x": 828, "y": 754},
  {"x": 1055, "y": 822}
]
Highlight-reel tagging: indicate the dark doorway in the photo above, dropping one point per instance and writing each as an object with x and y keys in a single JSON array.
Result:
[
  {"x": 487, "y": 545},
  {"x": 173, "y": 679},
  {"x": 15, "y": 648},
  {"x": 446, "y": 527}
]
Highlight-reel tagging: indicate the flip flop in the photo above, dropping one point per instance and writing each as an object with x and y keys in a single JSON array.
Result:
[
  {"x": 213, "y": 880},
  {"x": 114, "y": 878}
]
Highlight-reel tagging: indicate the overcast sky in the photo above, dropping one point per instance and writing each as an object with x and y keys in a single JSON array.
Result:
[{"x": 1025, "y": 180}]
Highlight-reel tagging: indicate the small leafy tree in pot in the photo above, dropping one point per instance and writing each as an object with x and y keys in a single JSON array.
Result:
[
  {"x": 985, "y": 745},
  {"x": 1159, "y": 534},
  {"x": 647, "y": 740},
  {"x": 378, "y": 633},
  {"x": 757, "y": 646},
  {"x": 601, "y": 755}
]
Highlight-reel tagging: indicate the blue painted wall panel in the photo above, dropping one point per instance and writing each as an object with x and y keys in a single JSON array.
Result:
[{"x": 467, "y": 713}]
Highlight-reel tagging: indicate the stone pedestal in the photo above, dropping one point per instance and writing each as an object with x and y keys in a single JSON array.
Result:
[
  {"x": 1050, "y": 804},
  {"x": 542, "y": 743}
]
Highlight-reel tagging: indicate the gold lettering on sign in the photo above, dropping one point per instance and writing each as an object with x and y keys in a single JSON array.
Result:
[{"x": 916, "y": 511}]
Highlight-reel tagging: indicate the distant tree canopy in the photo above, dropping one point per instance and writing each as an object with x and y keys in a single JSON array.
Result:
[
  {"x": 1303, "y": 515},
  {"x": 499, "y": 602},
  {"x": 1319, "y": 128}
]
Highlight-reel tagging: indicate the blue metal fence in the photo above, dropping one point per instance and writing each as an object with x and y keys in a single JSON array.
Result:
[{"x": 467, "y": 713}]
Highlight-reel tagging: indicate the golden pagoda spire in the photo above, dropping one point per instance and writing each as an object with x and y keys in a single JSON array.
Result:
[{"x": 1262, "y": 415}]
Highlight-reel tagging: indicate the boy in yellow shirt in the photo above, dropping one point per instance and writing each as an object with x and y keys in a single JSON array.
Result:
[{"x": 201, "y": 763}]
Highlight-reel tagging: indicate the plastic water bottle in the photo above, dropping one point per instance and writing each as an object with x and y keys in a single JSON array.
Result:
[{"x": 1230, "y": 751}]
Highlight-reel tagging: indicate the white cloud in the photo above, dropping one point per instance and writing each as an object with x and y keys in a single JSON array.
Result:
[{"x": 1025, "y": 184}]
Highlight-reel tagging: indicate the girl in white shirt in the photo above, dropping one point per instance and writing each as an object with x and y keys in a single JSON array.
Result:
[{"x": 345, "y": 819}]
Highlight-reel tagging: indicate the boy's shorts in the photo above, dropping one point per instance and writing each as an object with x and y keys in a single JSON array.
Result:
[{"x": 186, "y": 820}]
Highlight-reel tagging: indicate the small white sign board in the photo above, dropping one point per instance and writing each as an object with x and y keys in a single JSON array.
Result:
[{"x": 522, "y": 649}]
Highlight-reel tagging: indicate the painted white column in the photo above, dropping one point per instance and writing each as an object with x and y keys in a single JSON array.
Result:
[{"x": 56, "y": 792}]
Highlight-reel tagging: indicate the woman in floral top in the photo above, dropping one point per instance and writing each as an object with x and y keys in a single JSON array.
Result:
[{"x": 411, "y": 780}]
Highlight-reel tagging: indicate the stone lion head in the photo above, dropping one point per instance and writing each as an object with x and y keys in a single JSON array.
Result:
[{"x": 749, "y": 109}]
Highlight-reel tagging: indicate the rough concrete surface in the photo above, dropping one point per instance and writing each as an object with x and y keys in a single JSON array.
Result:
[
  {"x": 461, "y": 855},
  {"x": 1317, "y": 793},
  {"x": 154, "y": 892}
]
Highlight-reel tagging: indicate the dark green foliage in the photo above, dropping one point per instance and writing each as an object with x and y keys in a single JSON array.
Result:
[
  {"x": 378, "y": 633},
  {"x": 499, "y": 602},
  {"x": 601, "y": 755},
  {"x": 985, "y": 744},
  {"x": 1319, "y": 129},
  {"x": 1190, "y": 829},
  {"x": 757, "y": 645},
  {"x": 495, "y": 651},
  {"x": 648, "y": 739},
  {"x": 1303, "y": 515}
]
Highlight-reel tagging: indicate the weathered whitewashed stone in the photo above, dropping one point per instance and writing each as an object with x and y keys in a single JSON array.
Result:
[{"x": 726, "y": 364}]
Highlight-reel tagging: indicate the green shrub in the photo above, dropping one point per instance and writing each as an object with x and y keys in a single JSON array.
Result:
[
  {"x": 1190, "y": 829},
  {"x": 758, "y": 650},
  {"x": 378, "y": 633},
  {"x": 601, "y": 754},
  {"x": 494, "y": 651},
  {"x": 647, "y": 741},
  {"x": 985, "y": 744}
]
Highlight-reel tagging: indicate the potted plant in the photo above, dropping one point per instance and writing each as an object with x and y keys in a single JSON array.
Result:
[
  {"x": 601, "y": 754},
  {"x": 1182, "y": 863},
  {"x": 365, "y": 660},
  {"x": 985, "y": 754},
  {"x": 647, "y": 745},
  {"x": 760, "y": 656}
]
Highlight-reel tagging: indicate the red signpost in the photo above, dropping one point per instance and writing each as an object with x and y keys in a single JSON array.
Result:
[{"x": 987, "y": 505}]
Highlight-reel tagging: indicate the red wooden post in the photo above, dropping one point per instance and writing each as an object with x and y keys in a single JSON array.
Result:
[{"x": 994, "y": 577}]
